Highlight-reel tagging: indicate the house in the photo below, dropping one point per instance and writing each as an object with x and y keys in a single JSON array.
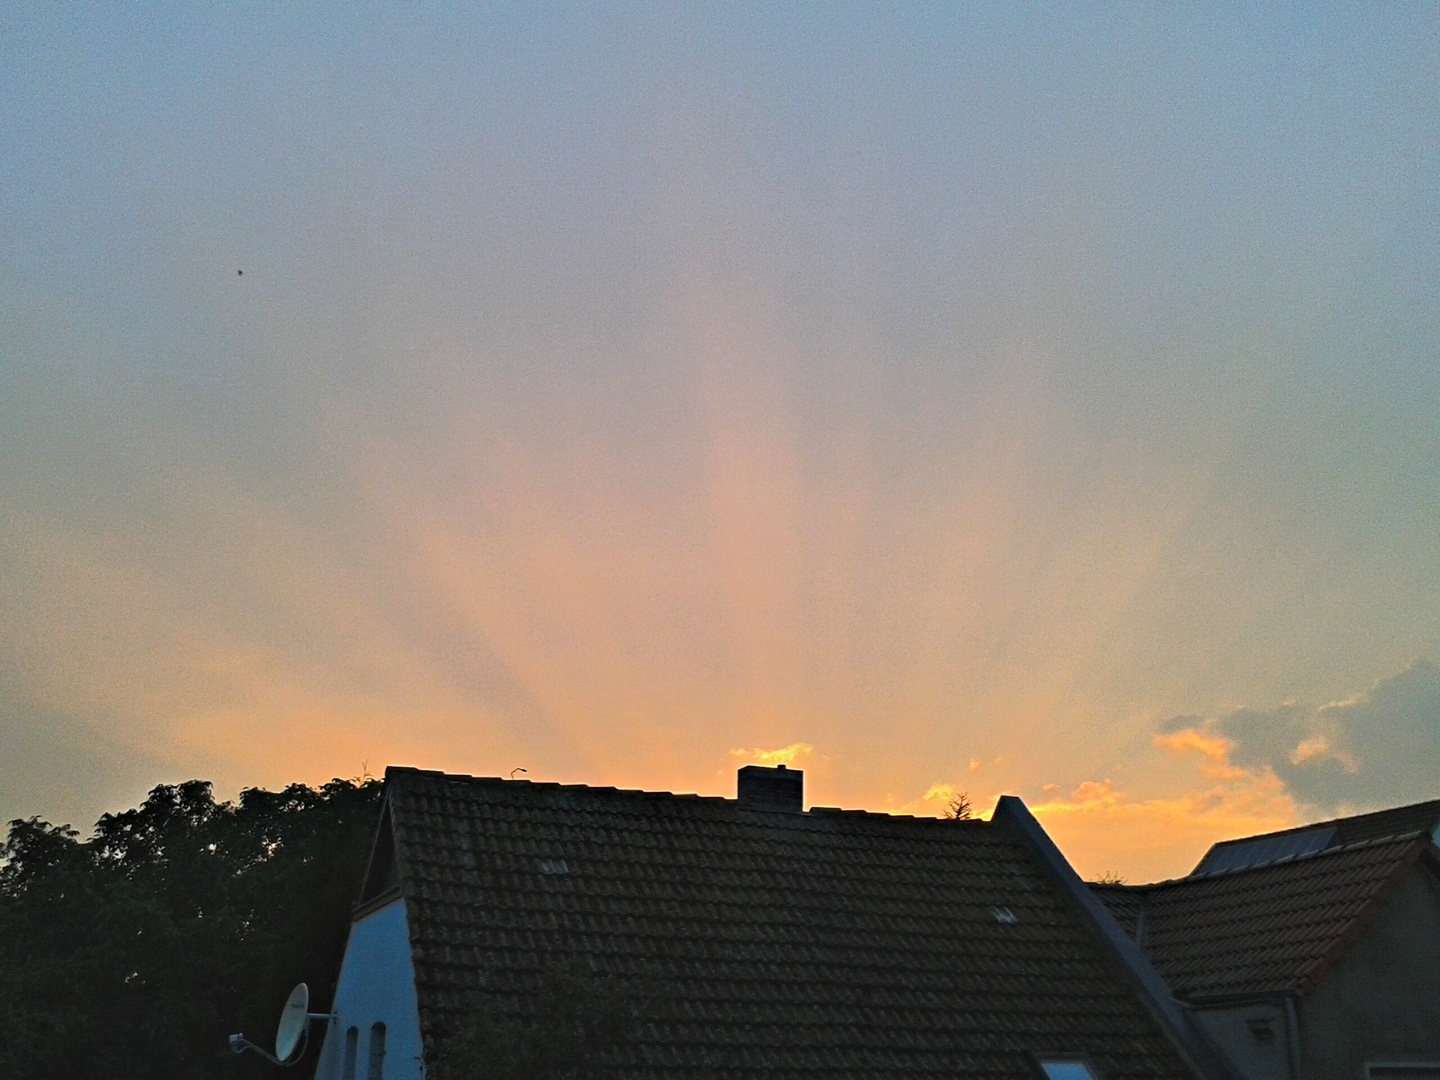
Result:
[
  {"x": 744, "y": 938},
  {"x": 1310, "y": 953},
  {"x": 1322, "y": 836}
]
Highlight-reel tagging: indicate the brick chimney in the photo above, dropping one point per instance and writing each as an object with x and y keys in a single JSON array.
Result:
[{"x": 778, "y": 789}]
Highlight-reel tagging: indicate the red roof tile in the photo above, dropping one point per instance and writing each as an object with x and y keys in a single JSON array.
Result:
[{"x": 1262, "y": 929}]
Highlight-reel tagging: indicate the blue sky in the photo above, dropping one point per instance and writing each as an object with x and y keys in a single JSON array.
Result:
[{"x": 980, "y": 398}]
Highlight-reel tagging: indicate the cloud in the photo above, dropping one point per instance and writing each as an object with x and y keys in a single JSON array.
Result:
[
  {"x": 1216, "y": 751},
  {"x": 1254, "y": 770},
  {"x": 1102, "y": 828},
  {"x": 786, "y": 755},
  {"x": 1380, "y": 748}
]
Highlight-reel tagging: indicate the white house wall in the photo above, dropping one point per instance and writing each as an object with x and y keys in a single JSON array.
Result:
[{"x": 377, "y": 983}]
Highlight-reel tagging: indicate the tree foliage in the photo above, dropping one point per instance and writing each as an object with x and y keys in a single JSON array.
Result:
[{"x": 135, "y": 952}]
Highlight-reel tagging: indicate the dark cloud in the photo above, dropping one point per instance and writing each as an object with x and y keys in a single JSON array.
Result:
[{"x": 1381, "y": 748}]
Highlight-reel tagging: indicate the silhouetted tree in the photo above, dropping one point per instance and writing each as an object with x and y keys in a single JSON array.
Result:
[
  {"x": 959, "y": 808},
  {"x": 134, "y": 953}
]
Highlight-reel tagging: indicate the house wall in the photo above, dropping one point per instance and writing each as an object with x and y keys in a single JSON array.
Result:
[
  {"x": 1381, "y": 1002},
  {"x": 1254, "y": 1037},
  {"x": 377, "y": 983}
]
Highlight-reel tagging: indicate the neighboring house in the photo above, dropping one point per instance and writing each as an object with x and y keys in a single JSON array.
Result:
[
  {"x": 1323, "y": 835},
  {"x": 746, "y": 938},
  {"x": 1309, "y": 954}
]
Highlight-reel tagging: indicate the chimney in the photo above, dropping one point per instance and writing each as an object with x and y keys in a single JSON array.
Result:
[{"x": 780, "y": 789}]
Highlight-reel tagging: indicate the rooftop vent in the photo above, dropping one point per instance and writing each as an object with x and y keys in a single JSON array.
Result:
[{"x": 778, "y": 789}]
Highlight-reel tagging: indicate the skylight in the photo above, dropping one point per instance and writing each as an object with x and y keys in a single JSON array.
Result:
[
  {"x": 1067, "y": 1069},
  {"x": 1261, "y": 850}
]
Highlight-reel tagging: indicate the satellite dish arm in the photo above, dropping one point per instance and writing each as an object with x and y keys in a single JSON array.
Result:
[{"x": 239, "y": 1043}]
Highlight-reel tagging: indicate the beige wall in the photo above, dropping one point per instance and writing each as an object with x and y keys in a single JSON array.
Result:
[
  {"x": 1381, "y": 1002},
  {"x": 1254, "y": 1058}
]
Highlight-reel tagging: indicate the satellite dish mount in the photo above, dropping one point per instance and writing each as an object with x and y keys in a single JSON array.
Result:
[{"x": 293, "y": 1033}]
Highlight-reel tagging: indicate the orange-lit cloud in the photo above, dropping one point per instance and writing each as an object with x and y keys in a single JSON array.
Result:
[
  {"x": 794, "y": 754},
  {"x": 1102, "y": 829},
  {"x": 1213, "y": 749},
  {"x": 940, "y": 800}
]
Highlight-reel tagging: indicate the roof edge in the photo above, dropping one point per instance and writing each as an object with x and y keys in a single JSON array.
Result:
[
  {"x": 1411, "y": 837},
  {"x": 403, "y": 774},
  {"x": 1421, "y": 850},
  {"x": 1153, "y": 991},
  {"x": 1335, "y": 822},
  {"x": 376, "y": 902}
]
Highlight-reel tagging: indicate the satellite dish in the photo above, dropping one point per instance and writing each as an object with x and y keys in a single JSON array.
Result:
[
  {"x": 294, "y": 1022},
  {"x": 294, "y": 1029}
]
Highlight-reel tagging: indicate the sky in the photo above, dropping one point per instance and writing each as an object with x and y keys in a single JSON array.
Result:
[{"x": 1029, "y": 399}]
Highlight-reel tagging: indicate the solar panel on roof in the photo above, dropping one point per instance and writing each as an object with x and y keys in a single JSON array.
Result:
[{"x": 1264, "y": 849}]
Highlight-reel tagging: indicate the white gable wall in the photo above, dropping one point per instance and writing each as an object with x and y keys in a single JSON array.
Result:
[{"x": 377, "y": 983}]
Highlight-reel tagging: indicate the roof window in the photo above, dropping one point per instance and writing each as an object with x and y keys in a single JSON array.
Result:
[
  {"x": 1004, "y": 916},
  {"x": 554, "y": 866},
  {"x": 1067, "y": 1068}
]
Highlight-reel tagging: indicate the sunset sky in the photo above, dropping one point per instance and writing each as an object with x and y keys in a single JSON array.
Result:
[{"x": 1022, "y": 399}]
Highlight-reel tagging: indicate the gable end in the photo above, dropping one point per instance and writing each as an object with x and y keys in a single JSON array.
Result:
[{"x": 382, "y": 875}]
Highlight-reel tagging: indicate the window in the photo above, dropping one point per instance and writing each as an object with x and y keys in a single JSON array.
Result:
[
  {"x": 1066, "y": 1068},
  {"x": 377, "y": 1053},
  {"x": 1262, "y": 1028},
  {"x": 352, "y": 1051}
]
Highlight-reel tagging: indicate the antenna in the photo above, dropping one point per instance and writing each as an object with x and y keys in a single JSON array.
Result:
[{"x": 292, "y": 1034}]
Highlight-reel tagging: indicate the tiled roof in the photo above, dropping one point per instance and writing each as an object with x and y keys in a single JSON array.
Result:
[
  {"x": 1124, "y": 903},
  {"x": 1339, "y": 832},
  {"x": 1261, "y": 929},
  {"x": 829, "y": 945}
]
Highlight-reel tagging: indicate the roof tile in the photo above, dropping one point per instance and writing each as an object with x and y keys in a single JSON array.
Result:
[{"x": 1261, "y": 929}]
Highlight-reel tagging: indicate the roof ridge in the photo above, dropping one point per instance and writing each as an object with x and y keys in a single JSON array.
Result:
[
  {"x": 409, "y": 770},
  {"x": 1337, "y": 849},
  {"x": 1408, "y": 837},
  {"x": 1330, "y": 822},
  {"x": 406, "y": 771}
]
